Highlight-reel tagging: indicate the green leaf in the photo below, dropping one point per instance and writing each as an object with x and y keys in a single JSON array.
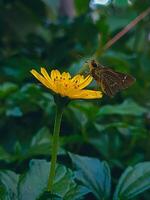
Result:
[
  {"x": 107, "y": 145},
  {"x": 42, "y": 137},
  {"x": 133, "y": 181},
  {"x": 76, "y": 192},
  {"x": 120, "y": 3},
  {"x": 95, "y": 175},
  {"x": 7, "y": 88},
  {"x": 8, "y": 185},
  {"x": 128, "y": 107},
  {"x": 15, "y": 112},
  {"x": 101, "y": 127},
  {"x": 123, "y": 128},
  {"x": 34, "y": 183},
  {"x": 12, "y": 70},
  {"x": 82, "y": 7},
  {"x": 49, "y": 196},
  {"x": 41, "y": 143},
  {"x": 117, "y": 22},
  {"x": 4, "y": 155}
]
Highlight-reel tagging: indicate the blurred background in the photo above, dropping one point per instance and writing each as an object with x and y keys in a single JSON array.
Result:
[{"x": 63, "y": 34}]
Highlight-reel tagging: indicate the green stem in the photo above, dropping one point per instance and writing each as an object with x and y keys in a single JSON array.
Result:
[{"x": 55, "y": 144}]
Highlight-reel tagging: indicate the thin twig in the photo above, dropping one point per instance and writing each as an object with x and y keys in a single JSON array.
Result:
[{"x": 126, "y": 29}]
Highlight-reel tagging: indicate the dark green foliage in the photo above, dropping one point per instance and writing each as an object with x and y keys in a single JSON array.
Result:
[
  {"x": 33, "y": 183},
  {"x": 109, "y": 138},
  {"x": 133, "y": 181},
  {"x": 93, "y": 174}
]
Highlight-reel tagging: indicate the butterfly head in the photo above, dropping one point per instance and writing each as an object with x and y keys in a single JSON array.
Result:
[{"x": 92, "y": 64}]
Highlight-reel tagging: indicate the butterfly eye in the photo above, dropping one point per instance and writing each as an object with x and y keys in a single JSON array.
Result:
[{"x": 94, "y": 64}]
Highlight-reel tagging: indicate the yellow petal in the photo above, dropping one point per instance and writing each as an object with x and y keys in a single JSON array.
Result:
[
  {"x": 85, "y": 82},
  {"x": 55, "y": 74},
  {"x": 66, "y": 75},
  {"x": 46, "y": 75},
  {"x": 86, "y": 94},
  {"x": 51, "y": 82},
  {"x": 40, "y": 78},
  {"x": 77, "y": 78},
  {"x": 59, "y": 88}
]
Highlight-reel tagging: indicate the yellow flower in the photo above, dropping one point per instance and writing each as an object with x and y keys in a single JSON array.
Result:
[{"x": 66, "y": 86}]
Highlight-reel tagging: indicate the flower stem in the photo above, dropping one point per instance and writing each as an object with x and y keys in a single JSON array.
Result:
[{"x": 55, "y": 144}]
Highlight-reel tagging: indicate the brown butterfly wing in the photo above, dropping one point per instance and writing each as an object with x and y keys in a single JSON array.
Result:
[
  {"x": 127, "y": 80},
  {"x": 107, "y": 89},
  {"x": 112, "y": 82}
]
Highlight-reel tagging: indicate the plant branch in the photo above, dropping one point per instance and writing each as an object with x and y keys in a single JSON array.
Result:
[{"x": 127, "y": 28}]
